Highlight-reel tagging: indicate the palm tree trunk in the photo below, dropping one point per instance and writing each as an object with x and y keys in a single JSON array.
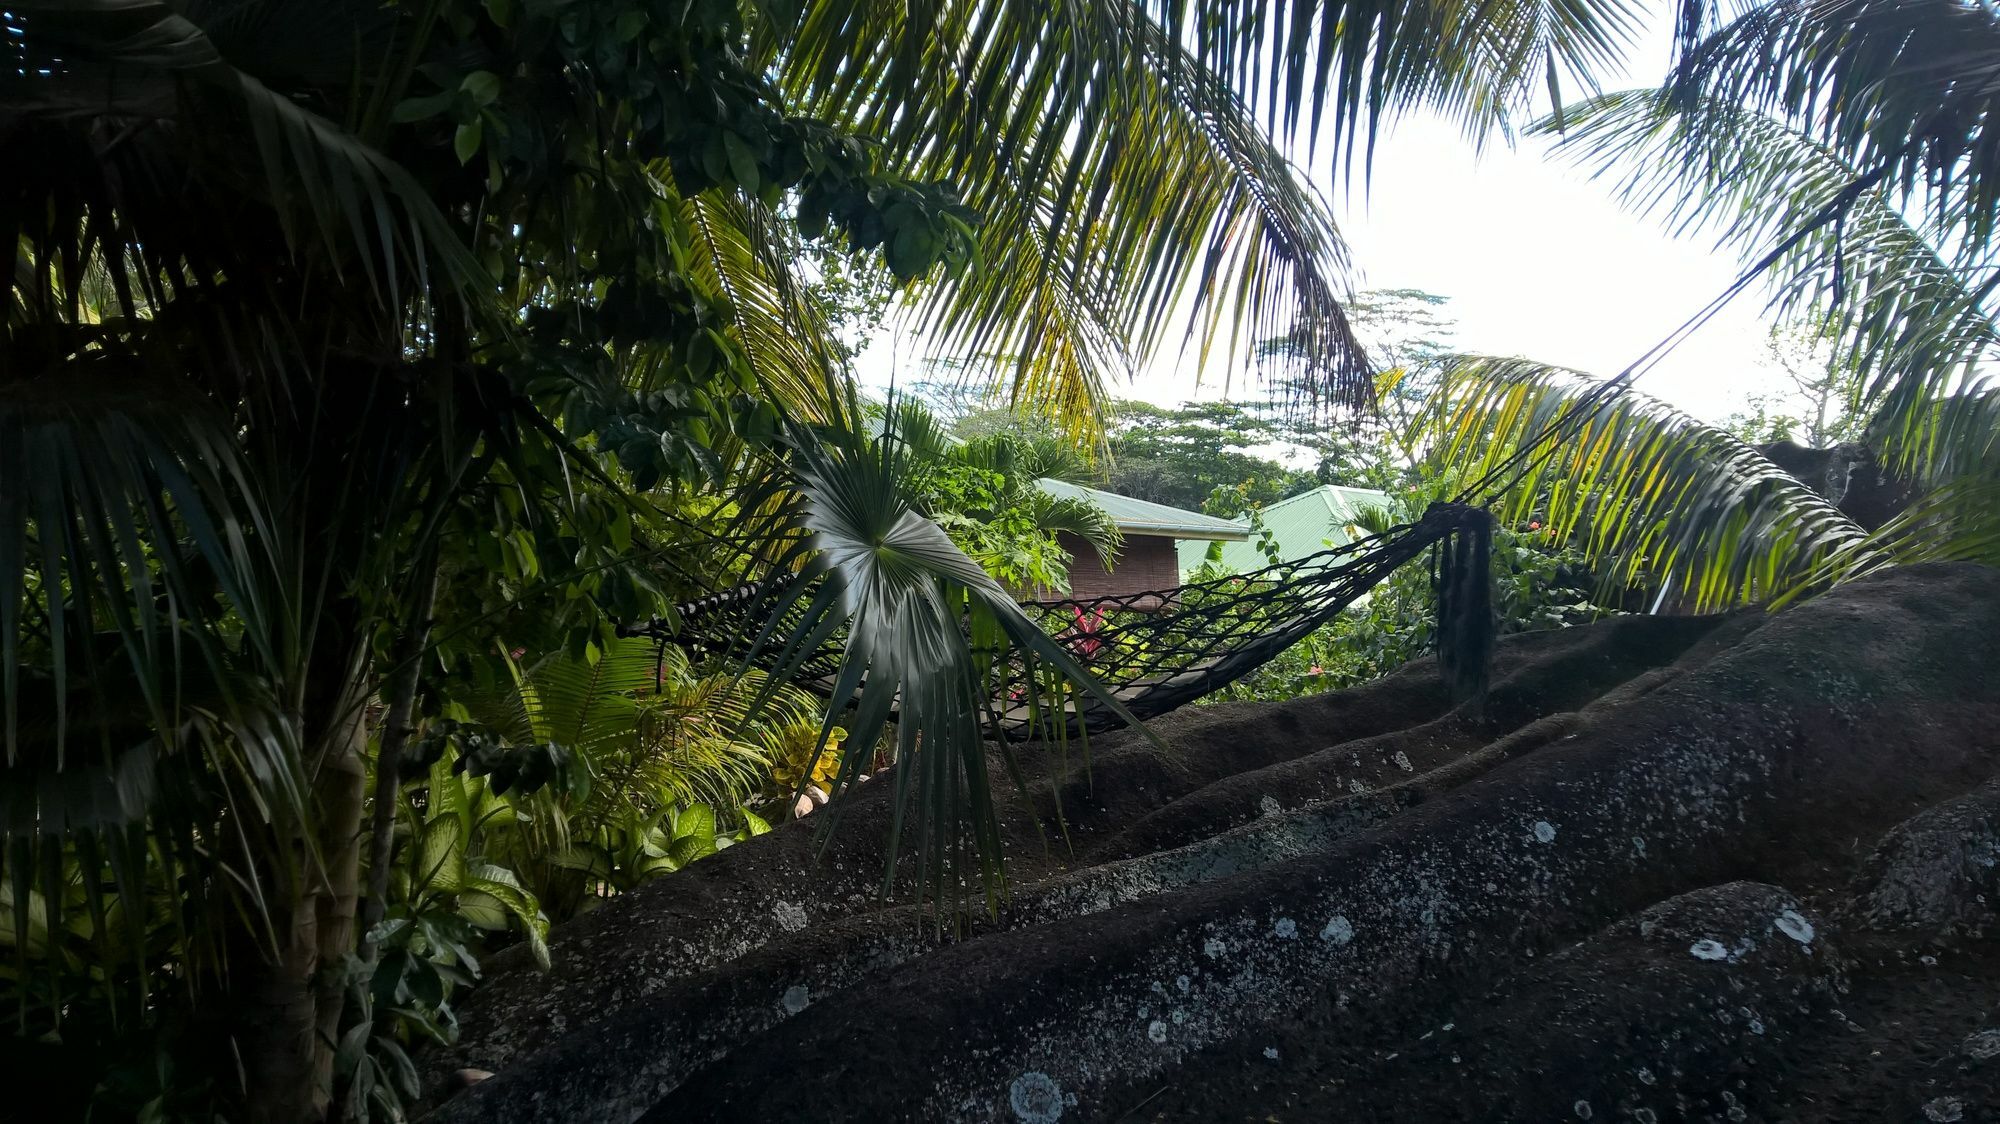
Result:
[
  {"x": 343, "y": 779},
  {"x": 281, "y": 1013}
]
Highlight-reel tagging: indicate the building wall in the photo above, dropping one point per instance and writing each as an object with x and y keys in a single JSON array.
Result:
[{"x": 1145, "y": 562}]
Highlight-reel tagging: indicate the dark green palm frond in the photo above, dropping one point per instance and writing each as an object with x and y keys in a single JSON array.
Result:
[
  {"x": 129, "y": 535},
  {"x": 1903, "y": 312},
  {"x": 1662, "y": 500},
  {"x": 1904, "y": 90},
  {"x": 148, "y": 71},
  {"x": 142, "y": 532}
]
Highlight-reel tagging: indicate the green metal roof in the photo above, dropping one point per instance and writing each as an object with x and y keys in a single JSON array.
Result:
[
  {"x": 1304, "y": 524},
  {"x": 1143, "y": 517}
]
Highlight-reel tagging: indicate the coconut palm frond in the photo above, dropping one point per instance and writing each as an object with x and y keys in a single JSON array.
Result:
[
  {"x": 1345, "y": 66},
  {"x": 1117, "y": 178},
  {"x": 1902, "y": 312},
  {"x": 1662, "y": 500},
  {"x": 1904, "y": 90},
  {"x": 737, "y": 247}
]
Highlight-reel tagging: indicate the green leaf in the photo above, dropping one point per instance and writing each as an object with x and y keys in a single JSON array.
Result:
[
  {"x": 484, "y": 910},
  {"x": 483, "y": 87},
  {"x": 465, "y": 141},
  {"x": 420, "y": 109},
  {"x": 742, "y": 161}
]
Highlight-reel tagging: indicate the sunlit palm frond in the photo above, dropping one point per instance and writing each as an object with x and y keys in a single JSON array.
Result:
[
  {"x": 1661, "y": 500},
  {"x": 736, "y": 247},
  {"x": 1118, "y": 180}
]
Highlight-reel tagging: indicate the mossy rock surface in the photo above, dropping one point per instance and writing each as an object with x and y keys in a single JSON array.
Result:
[{"x": 1367, "y": 905}]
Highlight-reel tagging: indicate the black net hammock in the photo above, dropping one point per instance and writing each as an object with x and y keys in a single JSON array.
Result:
[{"x": 1158, "y": 650}]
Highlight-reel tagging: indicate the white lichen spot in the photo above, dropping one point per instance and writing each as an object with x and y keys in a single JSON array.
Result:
[
  {"x": 1645, "y": 1076},
  {"x": 1757, "y": 1026},
  {"x": 1708, "y": 950},
  {"x": 1036, "y": 1098},
  {"x": 1270, "y": 806},
  {"x": 1545, "y": 832},
  {"x": 1286, "y": 929},
  {"x": 1582, "y": 1110},
  {"x": 1212, "y": 948},
  {"x": 1338, "y": 930},
  {"x": 1402, "y": 761},
  {"x": 1944, "y": 1110},
  {"x": 796, "y": 999},
  {"x": 1357, "y": 788},
  {"x": 1179, "y": 1017},
  {"x": 1983, "y": 1044},
  {"x": 1645, "y": 1116},
  {"x": 791, "y": 916},
  {"x": 1639, "y": 845},
  {"x": 1271, "y": 1052},
  {"x": 1157, "y": 1031},
  {"x": 1182, "y": 983},
  {"x": 1793, "y": 924}
]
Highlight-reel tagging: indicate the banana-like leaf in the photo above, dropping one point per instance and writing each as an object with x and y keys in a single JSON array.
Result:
[{"x": 493, "y": 893}]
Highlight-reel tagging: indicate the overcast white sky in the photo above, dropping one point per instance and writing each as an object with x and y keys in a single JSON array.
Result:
[{"x": 1536, "y": 259}]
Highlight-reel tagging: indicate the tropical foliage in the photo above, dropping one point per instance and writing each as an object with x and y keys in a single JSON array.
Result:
[
  {"x": 1856, "y": 185},
  {"x": 350, "y": 347},
  {"x": 345, "y": 335}
]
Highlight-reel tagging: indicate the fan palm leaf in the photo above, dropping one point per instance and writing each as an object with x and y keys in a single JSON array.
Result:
[{"x": 905, "y": 597}]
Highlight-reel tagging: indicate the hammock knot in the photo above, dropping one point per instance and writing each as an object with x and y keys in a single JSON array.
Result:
[{"x": 1464, "y": 578}]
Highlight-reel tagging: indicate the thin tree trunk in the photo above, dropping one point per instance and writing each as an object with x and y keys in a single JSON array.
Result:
[{"x": 396, "y": 730}]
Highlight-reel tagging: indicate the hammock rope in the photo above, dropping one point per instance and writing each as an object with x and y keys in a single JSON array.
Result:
[{"x": 1158, "y": 650}]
